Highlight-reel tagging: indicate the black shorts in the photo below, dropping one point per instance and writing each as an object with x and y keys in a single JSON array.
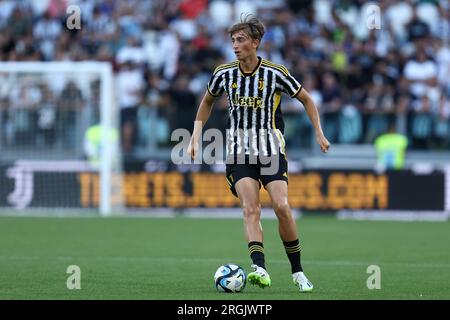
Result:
[{"x": 262, "y": 171}]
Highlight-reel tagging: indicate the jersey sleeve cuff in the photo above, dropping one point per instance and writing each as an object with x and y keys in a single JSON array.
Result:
[
  {"x": 297, "y": 92},
  {"x": 214, "y": 95}
]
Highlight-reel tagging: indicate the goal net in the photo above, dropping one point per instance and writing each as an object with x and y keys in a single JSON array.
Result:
[{"x": 59, "y": 138}]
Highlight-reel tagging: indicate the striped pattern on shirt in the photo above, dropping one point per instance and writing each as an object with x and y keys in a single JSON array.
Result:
[{"x": 255, "y": 124}]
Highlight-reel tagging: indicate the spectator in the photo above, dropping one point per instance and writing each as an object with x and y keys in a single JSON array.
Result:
[
  {"x": 443, "y": 63},
  {"x": 20, "y": 21},
  {"x": 331, "y": 105},
  {"x": 129, "y": 86},
  {"x": 417, "y": 29},
  {"x": 379, "y": 107},
  {"x": 46, "y": 119},
  {"x": 421, "y": 72},
  {"x": 46, "y": 31},
  {"x": 6, "y": 9},
  {"x": 153, "y": 118},
  {"x": 184, "y": 100},
  {"x": 26, "y": 99},
  {"x": 132, "y": 52},
  {"x": 443, "y": 24},
  {"x": 442, "y": 124},
  {"x": 71, "y": 103},
  {"x": 101, "y": 27},
  {"x": 421, "y": 123}
]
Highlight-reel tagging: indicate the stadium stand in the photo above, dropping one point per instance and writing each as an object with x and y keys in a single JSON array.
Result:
[{"x": 360, "y": 79}]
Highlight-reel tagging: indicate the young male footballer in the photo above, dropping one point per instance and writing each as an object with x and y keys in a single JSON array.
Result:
[{"x": 255, "y": 143}]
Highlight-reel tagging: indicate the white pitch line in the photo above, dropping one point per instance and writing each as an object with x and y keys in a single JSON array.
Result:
[{"x": 221, "y": 260}]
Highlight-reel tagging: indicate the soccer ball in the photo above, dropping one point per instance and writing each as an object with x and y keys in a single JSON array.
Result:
[{"x": 230, "y": 278}]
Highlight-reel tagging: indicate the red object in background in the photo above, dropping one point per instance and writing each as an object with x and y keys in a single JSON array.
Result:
[
  {"x": 191, "y": 9},
  {"x": 57, "y": 8},
  {"x": 200, "y": 42}
]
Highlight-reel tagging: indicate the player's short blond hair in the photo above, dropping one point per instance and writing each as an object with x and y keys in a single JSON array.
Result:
[{"x": 250, "y": 25}]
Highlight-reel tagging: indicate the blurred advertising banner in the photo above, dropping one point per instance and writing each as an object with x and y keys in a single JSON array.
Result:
[{"x": 72, "y": 184}]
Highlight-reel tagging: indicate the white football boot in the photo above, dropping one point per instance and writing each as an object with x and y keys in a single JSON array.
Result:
[{"x": 303, "y": 284}]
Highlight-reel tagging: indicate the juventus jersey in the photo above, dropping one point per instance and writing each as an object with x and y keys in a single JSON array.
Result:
[{"x": 255, "y": 124}]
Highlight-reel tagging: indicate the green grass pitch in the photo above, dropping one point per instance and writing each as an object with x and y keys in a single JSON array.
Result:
[{"x": 171, "y": 259}]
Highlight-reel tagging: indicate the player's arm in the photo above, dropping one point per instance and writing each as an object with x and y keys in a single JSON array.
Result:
[
  {"x": 304, "y": 97},
  {"x": 203, "y": 113}
]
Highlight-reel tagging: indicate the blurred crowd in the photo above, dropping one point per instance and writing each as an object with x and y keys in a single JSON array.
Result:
[{"x": 362, "y": 76}]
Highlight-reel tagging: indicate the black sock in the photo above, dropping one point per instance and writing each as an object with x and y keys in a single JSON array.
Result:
[
  {"x": 256, "y": 250},
  {"x": 293, "y": 252}
]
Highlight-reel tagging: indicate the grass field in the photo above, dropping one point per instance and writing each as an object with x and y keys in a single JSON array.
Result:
[{"x": 144, "y": 258}]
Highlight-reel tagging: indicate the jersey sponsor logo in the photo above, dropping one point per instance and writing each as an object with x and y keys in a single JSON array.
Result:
[{"x": 247, "y": 102}]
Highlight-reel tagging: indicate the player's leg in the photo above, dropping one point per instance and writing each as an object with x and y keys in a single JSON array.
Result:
[
  {"x": 277, "y": 187},
  {"x": 247, "y": 190},
  {"x": 244, "y": 184},
  {"x": 286, "y": 223},
  {"x": 287, "y": 228}
]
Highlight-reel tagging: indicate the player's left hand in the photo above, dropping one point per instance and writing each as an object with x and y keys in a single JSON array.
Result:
[{"x": 323, "y": 142}]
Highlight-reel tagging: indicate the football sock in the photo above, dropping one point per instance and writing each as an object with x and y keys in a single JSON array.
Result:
[
  {"x": 256, "y": 250},
  {"x": 293, "y": 252}
]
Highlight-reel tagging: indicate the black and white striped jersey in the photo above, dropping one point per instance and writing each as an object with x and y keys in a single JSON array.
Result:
[{"x": 255, "y": 124}]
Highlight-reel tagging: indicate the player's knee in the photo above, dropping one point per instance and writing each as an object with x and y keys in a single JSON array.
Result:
[
  {"x": 252, "y": 210},
  {"x": 282, "y": 209}
]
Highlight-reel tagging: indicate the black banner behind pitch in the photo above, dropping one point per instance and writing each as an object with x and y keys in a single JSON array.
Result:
[{"x": 316, "y": 190}]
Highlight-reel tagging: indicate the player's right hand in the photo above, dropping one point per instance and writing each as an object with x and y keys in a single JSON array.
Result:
[
  {"x": 322, "y": 142},
  {"x": 192, "y": 149}
]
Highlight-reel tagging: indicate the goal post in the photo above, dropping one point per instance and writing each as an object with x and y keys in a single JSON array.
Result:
[
  {"x": 82, "y": 96},
  {"x": 106, "y": 122}
]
